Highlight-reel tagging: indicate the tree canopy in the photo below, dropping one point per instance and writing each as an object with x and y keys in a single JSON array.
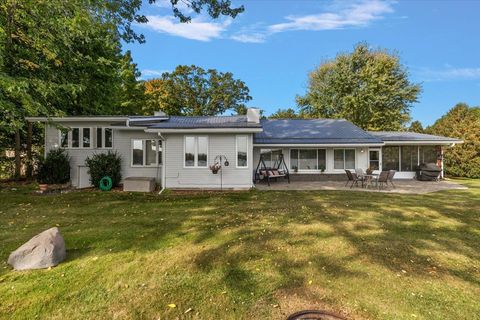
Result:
[
  {"x": 463, "y": 122},
  {"x": 416, "y": 126},
  {"x": 368, "y": 87},
  {"x": 288, "y": 113},
  {"x": 193, "y": 91}
]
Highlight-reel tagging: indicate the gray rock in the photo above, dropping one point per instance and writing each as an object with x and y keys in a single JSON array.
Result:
[{"x": 46, "y": 249}]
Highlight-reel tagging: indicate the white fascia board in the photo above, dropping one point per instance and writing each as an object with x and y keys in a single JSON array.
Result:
[
  {"x": 207, "y": 130},
  {"x": 420, "y": 142},
  {"x": 324, "y": 145},
  {"x": 75, "y": 119}
]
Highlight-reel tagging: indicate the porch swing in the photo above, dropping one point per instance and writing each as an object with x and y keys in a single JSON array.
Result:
[{"x": 279, "y": 170}]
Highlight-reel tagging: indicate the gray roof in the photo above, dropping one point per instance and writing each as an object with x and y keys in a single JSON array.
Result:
[
  {"x": 177, "y": 122},
  {"x": 409, "y": 136},
  {"x": 312, "y": 131}
]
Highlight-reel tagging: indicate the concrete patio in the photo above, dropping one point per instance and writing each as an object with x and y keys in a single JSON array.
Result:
[{"x": 401, "y": 186}]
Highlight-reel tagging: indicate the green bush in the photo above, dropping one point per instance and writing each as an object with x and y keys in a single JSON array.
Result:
[
  {"x": 105, "y": 164},
  {"x": 55, "y": 169}
]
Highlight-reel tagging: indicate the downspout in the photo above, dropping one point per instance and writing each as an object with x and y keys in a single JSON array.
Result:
[{"x": 164, "y": 178}]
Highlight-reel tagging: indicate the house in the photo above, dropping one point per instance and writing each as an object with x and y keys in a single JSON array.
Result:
[{"x": 177, "y": 151}]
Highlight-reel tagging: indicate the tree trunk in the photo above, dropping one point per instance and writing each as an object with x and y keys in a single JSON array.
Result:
[
  {"x": 18, "y": 160},
  {"x": 29, "y": 151}
]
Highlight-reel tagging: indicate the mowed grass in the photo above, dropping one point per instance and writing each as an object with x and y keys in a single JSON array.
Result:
[{"x": 246, "y": 255}]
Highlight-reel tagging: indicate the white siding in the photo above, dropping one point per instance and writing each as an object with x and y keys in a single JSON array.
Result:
[
  {"x": 177, "y": 176},
  {"x": 121, "y": 144}
]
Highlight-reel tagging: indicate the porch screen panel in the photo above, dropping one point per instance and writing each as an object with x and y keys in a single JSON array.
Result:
[
  {"x": 99, "y": 138},
  {"x": 428, "y": 154},
  {"x": 293, "y": 159},
  {"x": 349, "y": 158},
  {"x": 391, "y": 158},
  {"x": 270, "y": 156},
  {"x": 242, "y": 150},
  {"x": 307, "y": 159},
  {"x": 409, "y": 158}
]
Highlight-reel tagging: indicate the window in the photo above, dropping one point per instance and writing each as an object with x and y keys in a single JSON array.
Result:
[
  {"x": 270, "y": 157},
  {"x": 308, "y": 159},
  {"x": 242, "y": 151},
  {"x": 146, "y": 152},
  {"x": 75, "y": 138},
  {"x": 390, "y": 158},
  {"x": 104, "y": 138},
  {"x": 196, "y": 151},
  {"x": 409, "y": 158},
  {"x": 343, "y": 159},
  {"x": 428, "y": 154},
  {"x": 64, "y": 138}
]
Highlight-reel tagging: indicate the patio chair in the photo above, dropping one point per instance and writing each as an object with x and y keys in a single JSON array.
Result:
[
  {"x": 360, "y": 173},
  {"x": 391, "y": 174},
  {"x": 382, "y": 179},
  {"x": 353, "y": 178}
]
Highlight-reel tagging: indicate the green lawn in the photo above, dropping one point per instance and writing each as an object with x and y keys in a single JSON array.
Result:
[{"x": 246, "y": 255}]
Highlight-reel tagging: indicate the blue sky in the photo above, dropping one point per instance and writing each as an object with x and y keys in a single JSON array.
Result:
[{"x": 274, "y": 44}]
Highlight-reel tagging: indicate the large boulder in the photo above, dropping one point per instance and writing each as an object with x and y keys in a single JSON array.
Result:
[{"x": 46, "y": 249}]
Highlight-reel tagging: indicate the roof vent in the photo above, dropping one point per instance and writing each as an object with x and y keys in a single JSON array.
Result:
[
  {"x": 253, "y": 115},
  {"x": 159, "y": 114}
]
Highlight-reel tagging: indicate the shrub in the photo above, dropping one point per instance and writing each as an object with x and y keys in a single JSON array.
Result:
[
  {"x": 55, "y": 169},
  {"x": 104, "y": 164}
]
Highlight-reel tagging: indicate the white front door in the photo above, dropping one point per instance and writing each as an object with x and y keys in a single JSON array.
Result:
[{"x": 375, "y": 159}]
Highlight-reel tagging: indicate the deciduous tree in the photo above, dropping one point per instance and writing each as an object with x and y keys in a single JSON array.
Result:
[
  {"x": 463, "y": 122},
  {"x": 285, "y": 114},
  {"x": 193, "y": 91},
  {"x": 367, "y": 87}
]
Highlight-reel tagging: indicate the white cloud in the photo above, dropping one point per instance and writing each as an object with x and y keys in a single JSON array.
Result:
[
  {"x": 448, "y": 73},
  {"x": 344, "y": 15},
  {"x": 197, "y": 29}
]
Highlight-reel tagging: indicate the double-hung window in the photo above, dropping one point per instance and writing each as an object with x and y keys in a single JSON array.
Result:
[
  {"x": 343, "y": 159},
  {"x": 242, "y": 151},
  {"x": 196, "y": 151},
  {"x": 146, "y": 152},
  {"x": 75, "y": 138},
  {"x": 308, "y": 159},
  {"x": 104, "y": 138}
]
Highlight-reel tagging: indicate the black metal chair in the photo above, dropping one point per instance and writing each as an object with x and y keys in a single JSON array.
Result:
[
  {"x": 352, "y": 178},
  {"x": 391, "y": 174},
  {"x": 382, "y": 179}
]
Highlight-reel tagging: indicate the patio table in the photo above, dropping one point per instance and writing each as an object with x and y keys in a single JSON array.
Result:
[{"x": 369, "y": 178}]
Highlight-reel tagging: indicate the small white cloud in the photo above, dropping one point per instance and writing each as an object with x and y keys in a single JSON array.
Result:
[
  {"x": 197, "y": 29},
  {"x": 344, "y": 15},
  {"x": 448, "y": 73}
]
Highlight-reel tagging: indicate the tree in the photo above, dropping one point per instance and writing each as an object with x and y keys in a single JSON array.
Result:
[
  {"x": 285, "y": 114},
  {"x": 193, "y": 91},
  {"x": 463, "y": 122},
  {"x": 367, "y": 87},
  {"x": 416, "y": 126}
]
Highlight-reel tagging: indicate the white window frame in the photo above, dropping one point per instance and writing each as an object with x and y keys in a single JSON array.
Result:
[
  {"x": 236, "y": 151},
  {"x": 158, "y": 158},
  {"x": 298, "y": 159},
  {"x": 103, "y": 138},
  {"x": 195, "y": 161},
  {"x": 80, "y": 138},
  {"x": 356, "y": 160}
]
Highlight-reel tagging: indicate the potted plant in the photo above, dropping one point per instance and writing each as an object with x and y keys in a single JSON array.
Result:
[
  {"x": 215, "y": 168},
  {"x": 322, "y": 168},
  {"x": 295, "y": 169}
]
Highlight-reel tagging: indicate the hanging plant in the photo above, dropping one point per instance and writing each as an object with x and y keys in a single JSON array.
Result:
[{"x": 215, "y": 167}]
